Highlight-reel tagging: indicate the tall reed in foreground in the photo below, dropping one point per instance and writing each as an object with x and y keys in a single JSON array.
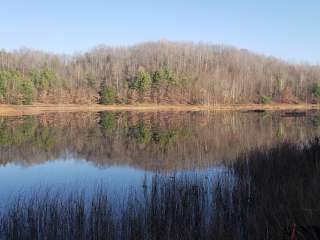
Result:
[{"x": 264, "y": 195}]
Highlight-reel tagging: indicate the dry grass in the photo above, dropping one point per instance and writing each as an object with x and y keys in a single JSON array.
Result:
[{"x": 16, "y": 110}]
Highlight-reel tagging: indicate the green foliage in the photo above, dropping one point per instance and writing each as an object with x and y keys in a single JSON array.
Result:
[
  {"x": 164, "y": 139},
  {"x": 142, "y": 82},
  {"x": 15, "y": 88},
  {"x": 142, "y": 134},
  {"x": 108, "y": 122},
  {"x": 91, "y": 80},
  {"x": 2, "y": 88},
  {"x": 280, "y": 133},
  {"x": 316, "y": 120},
  {"x": 7, "y": 78},
  {"x": 46, "y": 140},
  {"x": 48, "y": 78},
  {"x": 185, "y": 81},
  {"x": 279, "y": 83},
  {"x": 156, "y": 78},
  {"x": 5, "y": 134},
  {"x": 265, "y": 115},
  {"x": 147, "y": 135},
  {"x": 316, "y": 91},
  {"x": 35, "y": 77},
  {"x": 177, "y": 66},
  {"x": 107, "y": 95},
  {"x": 169, "y": 77},
  {"x": 265, "y": 99},
  {"x": 21, "y": 133},
  {"x": 12, "y": 76},
  {"x": 25, "y": 131},
  {"x": 27, "y": 91},
  {"x": 43, "y": 79},
  {"x": 163, "y": 76}
]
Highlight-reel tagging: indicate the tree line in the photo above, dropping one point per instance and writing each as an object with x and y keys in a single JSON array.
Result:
[{"x": 155, "y": 72}]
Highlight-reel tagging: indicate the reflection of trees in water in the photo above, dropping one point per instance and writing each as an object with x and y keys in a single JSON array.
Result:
[
  {"x": 316, "y": 120},
  {"x": 261, "y": 195},
  {"x": 163, "y": 140},
  {"x": 17, "y": 134}
]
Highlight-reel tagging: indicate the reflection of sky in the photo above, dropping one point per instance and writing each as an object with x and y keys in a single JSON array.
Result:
[
  {"x": 66, "y": 175},
  {"x": 73, "y": 175}
]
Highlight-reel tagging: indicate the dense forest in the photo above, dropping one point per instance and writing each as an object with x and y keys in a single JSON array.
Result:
[{"x": 155, "y": 72}]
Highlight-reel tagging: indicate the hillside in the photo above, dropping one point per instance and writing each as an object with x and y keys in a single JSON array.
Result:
[{"x": 155, "y": 72}]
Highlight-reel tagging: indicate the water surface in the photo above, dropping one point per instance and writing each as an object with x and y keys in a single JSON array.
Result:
[{"x": 73, "y": 151}]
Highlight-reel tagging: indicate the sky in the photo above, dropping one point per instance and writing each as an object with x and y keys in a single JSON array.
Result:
[{"x": 288, "y": 29}]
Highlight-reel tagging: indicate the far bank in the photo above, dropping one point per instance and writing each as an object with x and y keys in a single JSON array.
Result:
[{"x": 16, "y": 110}]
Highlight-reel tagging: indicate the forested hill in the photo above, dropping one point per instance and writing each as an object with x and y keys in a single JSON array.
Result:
[{"x": 155, "y": 72}]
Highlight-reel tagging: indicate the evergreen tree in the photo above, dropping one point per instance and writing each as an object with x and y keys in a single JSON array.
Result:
[
  {"x": 107, "y": 94},
  {"x": 316, "y": 92},
  {"x": 27, "y": 91},
  {"x": 142, "y": 82}
]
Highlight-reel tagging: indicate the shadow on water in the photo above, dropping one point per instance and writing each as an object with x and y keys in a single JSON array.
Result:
[{"x": 265, "y": 194}]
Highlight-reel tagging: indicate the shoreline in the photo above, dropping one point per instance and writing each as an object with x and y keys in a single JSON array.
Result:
[{"x": 17, "y": 110}]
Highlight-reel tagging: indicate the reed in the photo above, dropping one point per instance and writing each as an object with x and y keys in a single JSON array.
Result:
[{"x": 263, "y": 195}]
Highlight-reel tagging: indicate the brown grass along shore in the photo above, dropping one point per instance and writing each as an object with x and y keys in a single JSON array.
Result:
[{"x": 16, "y": 110}]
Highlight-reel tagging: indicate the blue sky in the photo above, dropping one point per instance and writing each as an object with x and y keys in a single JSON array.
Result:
[{"x": 282, "y": 28}]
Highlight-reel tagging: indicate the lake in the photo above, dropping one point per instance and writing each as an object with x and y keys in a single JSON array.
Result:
[
  {"x": 122, "y": 148},
  {"x": 120, "y": 151}
]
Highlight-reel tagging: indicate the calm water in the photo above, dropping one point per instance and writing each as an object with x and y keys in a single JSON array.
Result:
[{"x": 121, "y": 150}]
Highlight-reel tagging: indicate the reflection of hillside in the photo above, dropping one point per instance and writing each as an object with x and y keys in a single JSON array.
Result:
[{"x": 163, "y": 141}]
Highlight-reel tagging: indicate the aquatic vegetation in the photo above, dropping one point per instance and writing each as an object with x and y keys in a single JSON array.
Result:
[{"x": 263, "y": 195}]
